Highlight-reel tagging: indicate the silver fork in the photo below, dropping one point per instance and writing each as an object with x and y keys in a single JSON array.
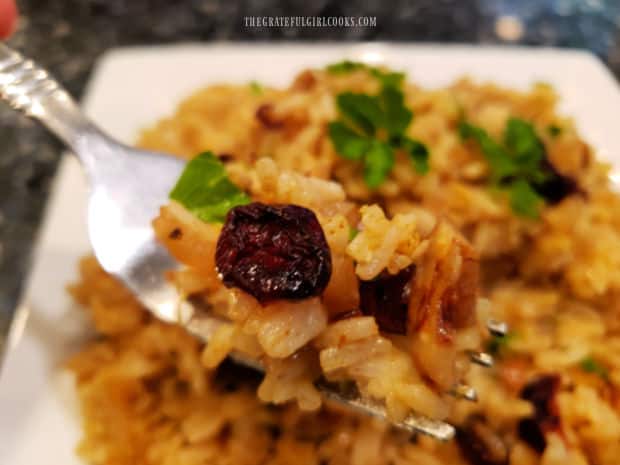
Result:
[{"x": 127, "y": 187}]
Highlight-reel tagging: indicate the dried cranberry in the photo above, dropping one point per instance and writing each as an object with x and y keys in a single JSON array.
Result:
[
  {"x": 531, "y": 433},
  {"x": 387, "y": 299},
  {"x": 557, "y": 186},
  {"x": 479, "y": 444},
  {"x": 273, "y": 252},
  {"x": 542, "y": 394}
]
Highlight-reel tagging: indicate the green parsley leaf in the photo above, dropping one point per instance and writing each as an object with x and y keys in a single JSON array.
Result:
[
  {"x": 396, "y": 115},
  {"x": 378, "y": 163},
  {"x": 353, "y": 232},
  {"x": 520, "y": 166},
  {"x": 554, "y": 130},
  {"x": 590, "y": 365},
  {"x": 347, "y": 142},
  {"x": 361, "y": 110},
  {"x": 256, "y": 87},
  {"x": 373, "y": 126},
  {"x": 345, "y": 66},
  {"x": 388, "y": 78},
  {"x": 205, "y": 190},
  {"x": 499, "y": 344},
  {"x": 500, "y": 162},
  {"x": 524, "y": 200},
  {"x": 524, "y": 146},
  {"x": 517, "y": 165},
  {"x": 418, "y": 152}
]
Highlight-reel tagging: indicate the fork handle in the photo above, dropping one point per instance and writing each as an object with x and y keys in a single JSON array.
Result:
[{"x": 30, "y": 89}]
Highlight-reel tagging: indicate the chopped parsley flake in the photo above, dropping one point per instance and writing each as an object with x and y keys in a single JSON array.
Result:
[
  {"x": 348, "y": 143},
  {"x": 256, "y": 87},
  {"x": 418, "y": 153},
  {"x": 524, "y": 200},
  {"x": 386, "y": 78},
  {"x": 345, "y": 66},
  {"x": 497, "y": 345},
  {"x": 589, "y": 365},
  {"x": 378, "y": 162}
]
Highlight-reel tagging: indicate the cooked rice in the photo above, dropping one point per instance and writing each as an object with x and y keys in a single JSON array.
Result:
[
  {"x": 147, "y": 396},
  {"x": 379, "y": 366}
]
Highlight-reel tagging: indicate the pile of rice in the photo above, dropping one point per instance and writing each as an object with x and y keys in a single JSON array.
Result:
[
  {"x": 149, "y": 397},
  {"x": 297, "y": 341}
]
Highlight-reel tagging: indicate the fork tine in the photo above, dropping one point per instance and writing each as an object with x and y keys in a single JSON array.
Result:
[
  {"x": 439, "y": 430},
  {"x": 497, "y": 328},
  {"x": 464, "y": 391},
  {"x": 481, "y": 358}
]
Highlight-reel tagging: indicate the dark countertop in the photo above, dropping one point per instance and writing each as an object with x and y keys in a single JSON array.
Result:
[{"x": 67, "y": 36}]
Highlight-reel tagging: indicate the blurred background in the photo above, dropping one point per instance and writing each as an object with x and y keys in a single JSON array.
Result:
[{"x": 67, "y": 36}]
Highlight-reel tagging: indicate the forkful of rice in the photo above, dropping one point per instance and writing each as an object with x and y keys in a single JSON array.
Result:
[{"x": 332, "y": 300}]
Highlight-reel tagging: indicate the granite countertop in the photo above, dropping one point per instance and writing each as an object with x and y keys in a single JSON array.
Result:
[{"x": 67, "y": 36}]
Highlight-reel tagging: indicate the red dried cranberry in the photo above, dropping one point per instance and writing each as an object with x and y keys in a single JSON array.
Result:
[
  {"x": 541, "y": 393},
  {"x": 546, "y": 418},
  {"x": 531, "y": 433},
  {"x": 387, "y": 299},
  {"x": 273, "y": 252}
]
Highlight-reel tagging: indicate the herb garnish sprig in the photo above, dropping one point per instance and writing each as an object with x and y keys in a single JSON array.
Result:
[
  {"x": 519, "y": 166},
  {"x": 372, "y": 127},
  {"x": 205, "y": 189}
]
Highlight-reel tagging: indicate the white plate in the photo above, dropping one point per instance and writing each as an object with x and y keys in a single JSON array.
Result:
[{"x": 131, "y": 88}]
